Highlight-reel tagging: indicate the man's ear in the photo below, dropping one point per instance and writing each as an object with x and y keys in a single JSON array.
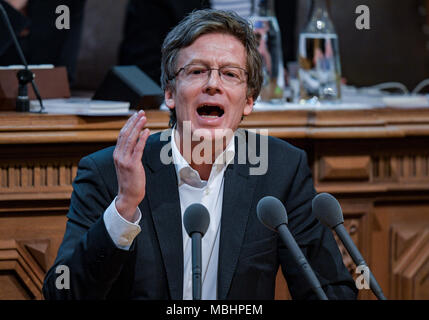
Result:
[
  {"x": 169, "y": 98},
  {"x": 249, "y": 106}
]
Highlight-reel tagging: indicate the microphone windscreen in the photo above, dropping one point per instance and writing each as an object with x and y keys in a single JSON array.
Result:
[
  {"x": 327, "y": 209},
  {"x": 271, "y": 212},
  {"x": 196, "y": 219}
]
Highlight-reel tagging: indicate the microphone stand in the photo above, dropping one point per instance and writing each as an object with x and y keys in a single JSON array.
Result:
[
  {"x": 358, "y": 259},
  {"x": 24, "y": 76},
  {"x": 301, "y": 261},
  {"x": 196, "y": 266}
]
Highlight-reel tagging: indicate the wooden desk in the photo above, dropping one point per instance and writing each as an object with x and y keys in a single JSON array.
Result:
[{"x": 376, "y": 162}]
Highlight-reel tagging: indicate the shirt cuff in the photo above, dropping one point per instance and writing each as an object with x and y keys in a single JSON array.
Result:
[{"x": 120, "y": 230}]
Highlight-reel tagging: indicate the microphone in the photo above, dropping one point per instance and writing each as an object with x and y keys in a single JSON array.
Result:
[
  {"x": 196, "y": 220},
  {"x": 272, "y": 213},
  {"x": 328, "y": 210},
  {"x": 24, "y": 76}
]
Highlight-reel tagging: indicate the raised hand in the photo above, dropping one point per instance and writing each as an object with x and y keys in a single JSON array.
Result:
[{"x": 127, "y": 157}]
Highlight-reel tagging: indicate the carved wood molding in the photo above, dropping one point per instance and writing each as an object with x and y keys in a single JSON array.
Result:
[
  {"x": 344, "y": 168},
  {"x": 406, "y": 168},
  {"x": 25, "y": 260},
  {"x": 409, "y": 262},
  {"x": 26, "y": 178},
  {"x": 16, "y": 128},
  {"x": 372, "y": 173},
  {"x": 384, "y": 167}
]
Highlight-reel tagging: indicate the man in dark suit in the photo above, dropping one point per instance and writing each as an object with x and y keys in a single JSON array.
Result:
[{"x": 125, "y": 237}]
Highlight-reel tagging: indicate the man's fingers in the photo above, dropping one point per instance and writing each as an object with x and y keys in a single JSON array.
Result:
[
  {"x": 127, "y": 128},
  {"x": 123, "y": 133},
  {"x": 132, "y": 122},
  {"x": 138, "y": 150},
  {"x": 120, "y": 153},
  {"x": 134, "y": 135}
]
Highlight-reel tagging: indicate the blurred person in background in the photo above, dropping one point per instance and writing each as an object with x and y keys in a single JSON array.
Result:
[{"x": 42, "y": 43}]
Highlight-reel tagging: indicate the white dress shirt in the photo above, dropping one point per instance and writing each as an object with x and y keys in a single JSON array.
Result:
[{"x": 191, "y": 190}]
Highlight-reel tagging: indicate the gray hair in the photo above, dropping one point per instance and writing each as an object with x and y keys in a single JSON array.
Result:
[{"x": 206, "y": 21}]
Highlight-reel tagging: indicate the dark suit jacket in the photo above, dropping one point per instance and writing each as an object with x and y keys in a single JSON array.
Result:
[
  {"x": 148, "y": 22},
  {"x": 249, "y": 253}
]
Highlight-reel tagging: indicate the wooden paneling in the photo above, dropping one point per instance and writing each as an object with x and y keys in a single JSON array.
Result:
[
  {"x": 403, "y": 229},
  {"x": 375, "y": 161},
  {"x": 21, "y": 274},
  {"x": 344, "y": 168}
]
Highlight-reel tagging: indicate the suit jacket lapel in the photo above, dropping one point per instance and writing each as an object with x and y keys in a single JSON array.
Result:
[
  {"x": 164, "y": 202},
  {"x": 237, "y": 195}
]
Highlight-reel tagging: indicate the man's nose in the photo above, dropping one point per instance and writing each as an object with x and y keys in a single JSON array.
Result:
[{"x": 214, "y": 82}]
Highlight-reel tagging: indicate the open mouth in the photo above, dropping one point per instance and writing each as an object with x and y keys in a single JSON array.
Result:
[{"x": 210, "y": 111}]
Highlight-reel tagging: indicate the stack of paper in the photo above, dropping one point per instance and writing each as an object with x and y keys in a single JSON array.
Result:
[{"x": 83, "y": 106}]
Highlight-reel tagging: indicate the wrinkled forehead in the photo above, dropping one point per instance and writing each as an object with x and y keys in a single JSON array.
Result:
[{"x": 213, "y": 49}]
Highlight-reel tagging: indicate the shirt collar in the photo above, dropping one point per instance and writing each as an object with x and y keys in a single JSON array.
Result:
[{"x": 186, "y": 174}]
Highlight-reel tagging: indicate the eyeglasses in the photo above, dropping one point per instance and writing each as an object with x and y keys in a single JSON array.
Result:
[{"x": 198, "y": 73}]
